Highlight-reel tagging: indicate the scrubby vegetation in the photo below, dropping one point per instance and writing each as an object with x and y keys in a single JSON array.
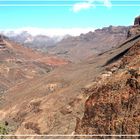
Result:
[{"x": 3, "y": 130}]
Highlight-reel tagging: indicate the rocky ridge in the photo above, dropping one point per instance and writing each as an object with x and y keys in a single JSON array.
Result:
[
  {"x": 82, "y": 47},
  {"x": 112, "y": 109}
]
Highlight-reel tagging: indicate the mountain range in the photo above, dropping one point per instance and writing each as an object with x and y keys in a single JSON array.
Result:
[
  {"x": 85, "y": 85},
  {"x": 39, "y": 41},
  {"x": 73, "y": 48}
]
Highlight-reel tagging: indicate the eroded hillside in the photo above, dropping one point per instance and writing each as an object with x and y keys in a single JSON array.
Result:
[
  {"x": 53, "y": 103},
  {"x": 18, "y": 64},
  {"x": 79, "y": 48},
  {"x": 113, "y": 106}
]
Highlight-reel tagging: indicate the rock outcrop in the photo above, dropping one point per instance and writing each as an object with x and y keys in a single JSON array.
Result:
[
  {"x": 113, "y": 107},
  {"x": 137, "y": 21},
  {"x": 2, "y": 40},
  {"x": 135, "y": 28}
]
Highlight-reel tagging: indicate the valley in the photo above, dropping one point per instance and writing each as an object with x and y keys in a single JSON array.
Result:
[{"x": 80, "y": 86}]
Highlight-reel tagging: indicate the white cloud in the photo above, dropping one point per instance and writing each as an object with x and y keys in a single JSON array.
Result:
[
  {"x": 107, "y": 3},
  {"x": 51, "y": 32},
  {"x": 89, "y": 4},
  {"x": 80, "y": 6}
]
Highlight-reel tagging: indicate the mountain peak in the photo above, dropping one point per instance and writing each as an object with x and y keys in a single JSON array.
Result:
[{"x": 137, "y": 21}]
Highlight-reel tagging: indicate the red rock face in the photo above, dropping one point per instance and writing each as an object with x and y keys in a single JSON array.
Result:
[{"x": 113, "y": 107}]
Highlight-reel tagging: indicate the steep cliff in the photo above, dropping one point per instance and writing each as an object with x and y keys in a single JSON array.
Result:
[{"x": 113, "y": 107}]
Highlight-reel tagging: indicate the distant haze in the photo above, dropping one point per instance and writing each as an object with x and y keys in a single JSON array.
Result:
[{"x": 51, "y": 32}]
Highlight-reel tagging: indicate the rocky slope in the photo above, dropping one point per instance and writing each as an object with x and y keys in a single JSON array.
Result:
[
  {"x": 113, "y": 106},
  {"x": 53, "y": 102},
  {"x": 93, "y": 43},
  {"x": 18, "y": 64}
]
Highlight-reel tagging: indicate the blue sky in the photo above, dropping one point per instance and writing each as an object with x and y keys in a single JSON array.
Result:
[{"x": 61, "y": 14}]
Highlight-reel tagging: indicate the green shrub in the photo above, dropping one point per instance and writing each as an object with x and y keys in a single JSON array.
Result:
[{"x": 3, "y": 130}]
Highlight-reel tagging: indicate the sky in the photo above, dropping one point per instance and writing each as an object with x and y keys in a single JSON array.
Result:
[{"x": 66, "y": 15}]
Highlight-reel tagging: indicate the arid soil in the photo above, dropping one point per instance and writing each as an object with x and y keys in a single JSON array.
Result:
[{"x": 99, "y": 95}]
